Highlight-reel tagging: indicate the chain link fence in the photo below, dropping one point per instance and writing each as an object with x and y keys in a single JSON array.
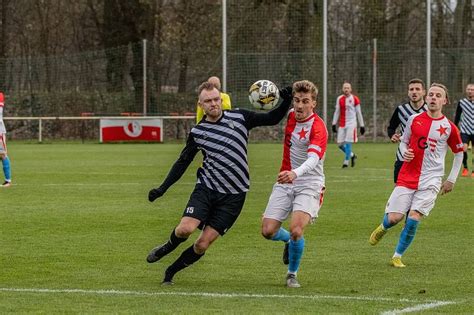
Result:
[{"x": 277, "y": 40}]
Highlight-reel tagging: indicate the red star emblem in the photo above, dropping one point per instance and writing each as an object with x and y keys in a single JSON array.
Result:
[
  {"x": 442, "y": 130},
  {"x": 302, "y": 133}
]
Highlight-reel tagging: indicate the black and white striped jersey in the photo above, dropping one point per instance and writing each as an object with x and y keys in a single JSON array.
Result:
[
  {"x": 465, "y": 116},
  {"x": 399, "y": 120},
  {"x": 224, "y": 147}
]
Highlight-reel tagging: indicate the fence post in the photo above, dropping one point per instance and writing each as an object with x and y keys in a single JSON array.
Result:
[
  {"x": 374, "y": 87},
  {"x": 40, "y": 130},
  {"x": 224, "y": 45},
  {"x": 144, "y": 79}
]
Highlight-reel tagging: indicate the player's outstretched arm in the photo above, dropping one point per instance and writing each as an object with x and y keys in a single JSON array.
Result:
[
  {"x": 177, "y": 170},
  {"x": 274, "y": 116}
]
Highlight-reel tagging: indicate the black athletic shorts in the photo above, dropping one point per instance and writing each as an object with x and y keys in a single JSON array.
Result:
[
  {"x": 396, "y": 169},
  {"x": 465, "y": 137},
  {"x": 213, "y": 208}
]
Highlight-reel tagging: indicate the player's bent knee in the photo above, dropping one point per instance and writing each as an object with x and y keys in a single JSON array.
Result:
[
  {"x": 184, "y": 230},
  {"x": 296, "y": 233},
  {"x": 268, "y": 232},
  {"x": 200, "y": 246}
]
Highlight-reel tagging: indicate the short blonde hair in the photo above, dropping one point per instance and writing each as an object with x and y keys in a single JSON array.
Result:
[
  {"x": 305, "y": 86},
  {"x": 442, "y": 86},
  {"x": 206, "y": 86}
]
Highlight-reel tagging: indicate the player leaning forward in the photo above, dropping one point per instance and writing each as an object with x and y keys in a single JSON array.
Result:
[
  {"x": 423, "y": 145},
  {"x": 222, "y": 180},
  {"x": 300, "y": 183}
]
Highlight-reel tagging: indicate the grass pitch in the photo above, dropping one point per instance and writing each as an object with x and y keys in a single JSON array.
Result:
[{"x": 76, "y": 227}]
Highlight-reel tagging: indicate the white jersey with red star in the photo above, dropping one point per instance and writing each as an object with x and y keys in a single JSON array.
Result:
[
  {"x": 429, "y": 139},
  {"x": 347, "y": 111},
  {"x": 2, "y": 103},
  {"x": 304, "y": 140}
]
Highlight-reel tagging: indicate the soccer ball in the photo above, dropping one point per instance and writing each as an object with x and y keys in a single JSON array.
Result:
[{"x": 264, "y": 94}]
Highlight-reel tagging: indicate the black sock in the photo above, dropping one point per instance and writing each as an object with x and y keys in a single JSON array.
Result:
[
  {"x": 174, "y": 241},
  {"x": 187, "y": 258},
  {"x": 464, "y": 159}
]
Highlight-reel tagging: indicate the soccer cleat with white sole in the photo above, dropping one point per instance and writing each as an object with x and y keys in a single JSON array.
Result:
[
  {"x": 6, "y": 184},
  {"x": 377, "y": 235}
]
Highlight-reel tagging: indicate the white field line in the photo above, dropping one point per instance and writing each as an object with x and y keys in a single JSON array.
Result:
[
  {"x": 417, "y": 308},
  {"x": 270, "y": 182},
  {"x": 219, "y": 295}
]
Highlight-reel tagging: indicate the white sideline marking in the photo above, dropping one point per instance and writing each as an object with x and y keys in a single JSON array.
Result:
[
  {"x": 416, "y": 308},
  {"x": 221, "y": 295},
  {"x": 269, "y": 182}
]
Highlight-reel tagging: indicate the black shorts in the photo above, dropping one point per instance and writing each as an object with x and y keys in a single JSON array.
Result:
[
  {"x": 213, "y": 208},
  {"x": 465, "y": 137},
  {"x": 396, "y": 169}
]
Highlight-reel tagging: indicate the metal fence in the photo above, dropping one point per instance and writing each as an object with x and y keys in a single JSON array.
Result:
[{"x": 277, "y": 40}]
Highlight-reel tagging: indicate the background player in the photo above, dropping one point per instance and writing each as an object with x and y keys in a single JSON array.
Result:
[
  {"x": 465, "y": 120},
  {"x": 346, "y": 115},
  {"x": 300, "y": 184},
  {"x": 423, "y": 145},
  {"x": 222, "y": 180},
  {"x": 415, "y": 105},
  {"x": 226, "y": 104},
  {"x": 3, "y": 146}
]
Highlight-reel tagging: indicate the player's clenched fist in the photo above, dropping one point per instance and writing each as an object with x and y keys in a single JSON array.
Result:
[{"x": 155, "y": 193}]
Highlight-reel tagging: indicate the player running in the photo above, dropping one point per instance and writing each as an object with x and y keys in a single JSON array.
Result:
[
  {"x": 222, "y": 180},
  {"x": 346, "y": 115},
  {"x": 300, "y": 184},
  {"x": 3, "y": 146},
  {"x": 423, "y": 146},
  {"x": 415, "y": 105}
]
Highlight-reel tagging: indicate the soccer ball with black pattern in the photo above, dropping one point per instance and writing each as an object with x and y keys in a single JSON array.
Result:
[{"x": 264, "y": 94}]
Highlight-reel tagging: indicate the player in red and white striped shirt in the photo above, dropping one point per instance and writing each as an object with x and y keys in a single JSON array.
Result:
[
  {"x": 346, "y": 115},
  {"x": 300, "y": 185},
  {"x": 424, "y": 144}
]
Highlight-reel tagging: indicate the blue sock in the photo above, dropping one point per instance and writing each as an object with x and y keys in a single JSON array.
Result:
[
  {"x": 295, "y": 251},
  {"x": 342, "y": 147},
  {"x": 281, "y": 235},
  {"x": 348, "y": 151},
  {"x": 6, "y": 169},
  {"x": 386, "y": 224},
  {"x": 407, "y": 236}
]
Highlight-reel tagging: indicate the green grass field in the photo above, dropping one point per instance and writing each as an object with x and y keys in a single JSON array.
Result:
[{"x": 76, "y": 227}]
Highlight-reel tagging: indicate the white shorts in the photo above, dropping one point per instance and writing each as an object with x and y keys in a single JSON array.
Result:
[
  {"x": 286, "y": 198},
  {"x": 403, "y": 199},
  {"x": 347, "y": 134},
  {"x": 3, "y": 144}
]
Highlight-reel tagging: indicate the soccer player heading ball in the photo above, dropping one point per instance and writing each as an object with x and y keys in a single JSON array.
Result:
[{"x": 424, "y": 144}]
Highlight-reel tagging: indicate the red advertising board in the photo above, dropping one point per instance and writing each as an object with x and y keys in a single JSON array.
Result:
[{"x": 117, "y": 130}]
